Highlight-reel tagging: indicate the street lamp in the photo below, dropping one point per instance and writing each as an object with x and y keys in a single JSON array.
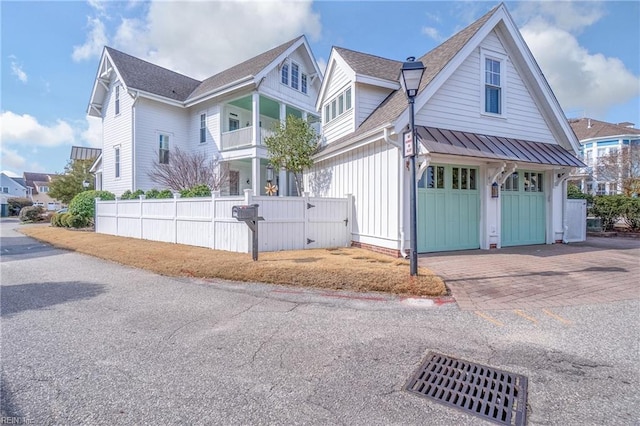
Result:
[
  {"x": 85, "y": 184},
  {"x": 271, "y": 189},
  {"x": 412, "y": 71}
]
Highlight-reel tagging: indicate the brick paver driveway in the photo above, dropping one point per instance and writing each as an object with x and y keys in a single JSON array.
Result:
[{"x": 596, "y": 271}]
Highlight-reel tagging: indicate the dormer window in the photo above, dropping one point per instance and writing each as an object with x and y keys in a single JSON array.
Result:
[
  {"x": 338, "y": 105},
  {"x": 292, "y": 75}
]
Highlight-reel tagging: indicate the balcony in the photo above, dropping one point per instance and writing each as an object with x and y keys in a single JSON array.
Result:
[{"x": 242, "y": 138}]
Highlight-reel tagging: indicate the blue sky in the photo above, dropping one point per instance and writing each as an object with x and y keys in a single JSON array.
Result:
[{"x": 589, "y": 52}]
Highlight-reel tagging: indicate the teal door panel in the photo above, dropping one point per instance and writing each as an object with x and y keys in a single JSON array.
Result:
[
  {"x": 448, "y": 209},
  {"x": 523, "y": 210}
]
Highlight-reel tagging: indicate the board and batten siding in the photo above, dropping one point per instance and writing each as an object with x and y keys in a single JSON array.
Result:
[
  {"x": 152, "y": 119},
  {"x": 367, "y": 99},
  {"x": 273, "y": 88},
  {"x": 457, "y": 104},
  {"x": 370, "y": 174},
  {"x": 117, "y": 130}
]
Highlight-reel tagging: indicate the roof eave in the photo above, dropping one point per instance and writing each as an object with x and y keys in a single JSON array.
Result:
[{"x": 238, "y": 84}]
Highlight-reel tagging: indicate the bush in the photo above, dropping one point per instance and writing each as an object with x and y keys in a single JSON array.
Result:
[
  {"x": 197, "y": 191},
  {"x": 55, "y": 219},
  {"x": 573, "y": 192},
  {"x": 128, "y": 195},
  {"x": 75, "y": 221},
  {"x": 31, "y": 214},
  {"x": 155, "y": 194},
  {"x": 65, "y": 220},
  {"x": 84, "y": 203},
  {"x": 609, "y": 208},
  {"x": 15, "y": 204},
  {"x": 631, "y": 213}
]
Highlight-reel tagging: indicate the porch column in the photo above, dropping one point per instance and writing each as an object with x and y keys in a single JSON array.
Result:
[
  {"x": 255, "y": 118},
  {"x": 255, "y": 176},
  {"x": 283, "y": 186},
  {"x": 304, "y": 115},
  {"x": 283, "y": 113}
]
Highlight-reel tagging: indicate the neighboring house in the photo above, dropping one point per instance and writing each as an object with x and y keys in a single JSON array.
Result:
[
  {"x": 148, "y": 111},
  {"x": 599, "y": 139},
  {"x": 38, "y": 184},
  {"x": 12, "y": 186},
  {"x": 495, "y": 147}
]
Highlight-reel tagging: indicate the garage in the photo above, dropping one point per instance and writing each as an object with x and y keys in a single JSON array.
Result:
[
  {"x": 523, "y": 209},
  {"x": 448, "y": 208}
]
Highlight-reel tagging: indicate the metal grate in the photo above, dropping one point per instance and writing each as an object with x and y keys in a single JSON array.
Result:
[{"x": 482, "y": 391}]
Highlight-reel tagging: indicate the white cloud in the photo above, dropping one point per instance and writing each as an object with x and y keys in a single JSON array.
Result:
[
  {"x": 11, "y": 159},
  {"x": 96, "y": 40},
  {"x": 16, "y": 69},
  {"x": 202, "y": 38},
  {"x": 432, "y": 33},
  {"x": 570, "y": 16},
  {"x": 581, "y": 80},
  {"x": 92, "y": 135},
  {"x": 19, "y": 129}
]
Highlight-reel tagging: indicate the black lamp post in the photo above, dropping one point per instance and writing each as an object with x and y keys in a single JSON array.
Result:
[
  {"x": 269, "y": 173},
  {"x": 411, "y": 75}
]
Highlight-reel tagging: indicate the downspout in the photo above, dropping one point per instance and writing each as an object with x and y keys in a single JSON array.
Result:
[
  {"x": 133, "y": 141},
  {"x": 388, "y": 140}
]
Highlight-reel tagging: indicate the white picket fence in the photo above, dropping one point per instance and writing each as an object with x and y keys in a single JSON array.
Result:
[{"x": 290, "y": 223}]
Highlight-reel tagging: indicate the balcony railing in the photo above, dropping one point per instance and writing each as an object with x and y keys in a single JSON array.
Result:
[{"x": 241, "y": 138}]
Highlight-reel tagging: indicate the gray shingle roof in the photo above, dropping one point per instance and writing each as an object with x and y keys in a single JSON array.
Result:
[
  {"x": 31, "y": 178},
  {"x": 435, "y": 61},
  {"x": 588, "y": 128},
  {"x": 147, "y": 77},
  {"x": 370, "y": 65},
  {"x": 248, "y": 68}
]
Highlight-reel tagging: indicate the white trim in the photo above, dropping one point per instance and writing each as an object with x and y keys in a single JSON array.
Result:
[{"x": 503, "y": 61}]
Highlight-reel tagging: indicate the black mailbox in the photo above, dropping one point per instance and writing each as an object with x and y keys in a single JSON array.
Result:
[{"x": 245, "y": 212}]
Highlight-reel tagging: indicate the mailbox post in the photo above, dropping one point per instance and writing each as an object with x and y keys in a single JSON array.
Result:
[{"x": 249, "y": 215}]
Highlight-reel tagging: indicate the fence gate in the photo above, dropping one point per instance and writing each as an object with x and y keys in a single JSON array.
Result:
[{"x": 576, "y": 221}]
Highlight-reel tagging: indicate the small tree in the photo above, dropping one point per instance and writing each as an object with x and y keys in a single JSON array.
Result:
[
  {"x": 622, "y": 166},
  {"x": 186, "y": 170},
  {"x": 292, "y": 146},
  {"x": 65, "y": 186}
]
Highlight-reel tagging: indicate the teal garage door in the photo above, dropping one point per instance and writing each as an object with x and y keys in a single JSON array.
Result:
[
  {"x": 523, "y": 209},
  {"x": 448, "y": 209}
]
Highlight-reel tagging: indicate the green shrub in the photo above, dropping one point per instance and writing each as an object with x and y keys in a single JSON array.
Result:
[
  {"x": 84, "y": 203},
  {"x": 609, "y": 208},
  {"x": 77, "y": 221},
  {"x": 128, "y": 195},
  {"x": 66, "y": 220},
  {"x": 31, "y": 214},
  {"x": 201, "y": 190},
  {"x": 573, "y": 193},
  {"x": 55, "y": 220},
  {"x": 165, "y": 193},
  {"x": 631, "y": 213},
  {"x": 15, "y": 204},
  {"x": 151, "y": 194}
]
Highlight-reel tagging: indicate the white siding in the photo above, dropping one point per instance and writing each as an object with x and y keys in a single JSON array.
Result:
[
  {"x": 152, "y": 119},
  {"x": 212, "y": 146},
  {"x": 370, "y": 174},
  {"x": 338, "y": 127},
  {"x": 273, "y": 88},
  {"x": 368, "y": 98},
  {"x": 457, "y": 104},
  {"x": 116, "y": 132}
]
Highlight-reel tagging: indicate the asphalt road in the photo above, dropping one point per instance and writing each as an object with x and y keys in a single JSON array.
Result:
[{"x": 88, "y": 342}]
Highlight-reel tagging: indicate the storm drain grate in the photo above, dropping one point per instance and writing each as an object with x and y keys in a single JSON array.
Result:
[{"x": 482, "y": 391}]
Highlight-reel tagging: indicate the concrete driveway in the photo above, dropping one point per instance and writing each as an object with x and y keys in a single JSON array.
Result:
[{"x": 596, "y": 271}]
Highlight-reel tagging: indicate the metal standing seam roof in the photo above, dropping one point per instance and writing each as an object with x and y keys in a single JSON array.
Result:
[
  {"x": 84, "y": 153},
  {"x": 443, "y": 141}
]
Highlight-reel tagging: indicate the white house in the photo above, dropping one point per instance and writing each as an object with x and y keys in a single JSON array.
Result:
[
  {"x": 495, "y": 147},
  {"x": 599, "y": 139},
  {"x": 12, "y": 186},
  {"x": 147, "y": 111}
]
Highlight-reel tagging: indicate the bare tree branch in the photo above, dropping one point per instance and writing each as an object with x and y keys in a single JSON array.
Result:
[{"x": 186, "y": 170}]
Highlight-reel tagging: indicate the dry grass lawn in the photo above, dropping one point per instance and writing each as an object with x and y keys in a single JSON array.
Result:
[{"x": 342, "y": 268}]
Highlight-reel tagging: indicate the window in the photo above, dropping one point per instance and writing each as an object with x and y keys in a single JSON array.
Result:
[
  {"x": 295, "y": 76},
  {"x": 43, "y": 189},
  {"x": 303, "y": 83},
  {"x": 234, "y": 124},
  {"x": 601, "y": 189},
  {"x": 533, "y": 182},
  {"x": 5, "y": 189},
  {"x": 285, "y": 74},
  {"x": 164, "y": 149},
  {"x": 339, "y": 105},
  {"x": 493, "y": 89},
  {"x": 203, "y": 128},
  {"x": 117, "y": 99},
  {"x": 511, "y": 183},
  {"x": 117, "y": 162}
]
